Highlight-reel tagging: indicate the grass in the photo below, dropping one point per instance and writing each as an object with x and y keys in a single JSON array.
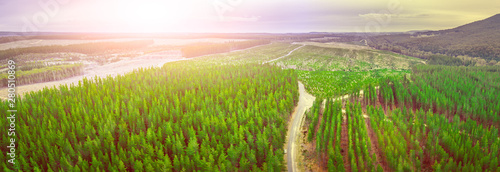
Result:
[
  {"x": 313, "y": 58},
  {"x": 254, "y": 55},
  {"x": 328, "y": 71},
  {"x": 333, "y": 83}
]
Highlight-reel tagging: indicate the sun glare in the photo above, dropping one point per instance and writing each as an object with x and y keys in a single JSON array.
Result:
[{"x": 151, "y": 16}]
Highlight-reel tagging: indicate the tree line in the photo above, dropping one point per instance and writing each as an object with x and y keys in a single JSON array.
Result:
[
  {"x": 86, "y": 48},
  {"x": 39, "y": 74}
]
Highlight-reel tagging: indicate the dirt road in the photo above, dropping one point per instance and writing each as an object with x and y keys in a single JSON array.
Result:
[
  {"x": 305, "y": 102},
  {"x": 111, "y": 69},
  {"x": 285, "y": 55}
]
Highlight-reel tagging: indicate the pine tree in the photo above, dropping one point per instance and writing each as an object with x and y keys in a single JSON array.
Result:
[
  {"x": 121, "y": 166},
  {"x": 244, "y": 164},
  {"x": 138, "y": 166},
  {"x": 192, "y": 147},
  {"x": 167, "y": 164},
  {"x": 379, "y": 168},
  {"x": 331, "y": 165},
  {"x": 149, "y": 167},
  {"x": 177, "y": 164}
]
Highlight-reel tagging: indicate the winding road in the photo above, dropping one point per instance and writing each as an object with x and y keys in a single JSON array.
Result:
[
  {"x": 305, "y": 102},
  {"x": 286, "y": 54},
  {"x": 113, "y": 69}
]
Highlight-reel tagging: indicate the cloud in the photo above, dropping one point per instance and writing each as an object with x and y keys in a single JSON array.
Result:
[
  {"x": 240, "y": 19},
  {"x": 226, "y": 19}
]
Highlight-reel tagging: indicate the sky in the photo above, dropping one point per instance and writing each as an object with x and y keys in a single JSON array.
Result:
[{"x": 274, "y": 16}]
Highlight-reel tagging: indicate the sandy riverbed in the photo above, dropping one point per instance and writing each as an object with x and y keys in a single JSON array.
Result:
[{"x": 113, "y": 69}]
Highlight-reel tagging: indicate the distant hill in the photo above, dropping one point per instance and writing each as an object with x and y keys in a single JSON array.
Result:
[
  {"x": 476, "y": 39},
  {"x": 417, "y": 31},
  {"x": 491, "y": 24}
]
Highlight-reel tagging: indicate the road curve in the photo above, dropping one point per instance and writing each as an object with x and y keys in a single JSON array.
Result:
[
  {"x": 286, "y": 54},
  {"x": 305, "y": 102}
]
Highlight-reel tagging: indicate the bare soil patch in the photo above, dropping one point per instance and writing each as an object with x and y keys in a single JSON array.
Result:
[
  {"x": 308, "y": 159},
  {"x": 336, "y": 45},
  {"x": 344, "y": 145},
  {"x": 375, "y": 150}
]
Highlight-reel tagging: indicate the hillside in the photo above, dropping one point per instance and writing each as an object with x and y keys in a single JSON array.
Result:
[
  {"x": 476, "y": 39},
  {"x": 489, "y": 25},
  {"x": 329, "y": 70}
]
